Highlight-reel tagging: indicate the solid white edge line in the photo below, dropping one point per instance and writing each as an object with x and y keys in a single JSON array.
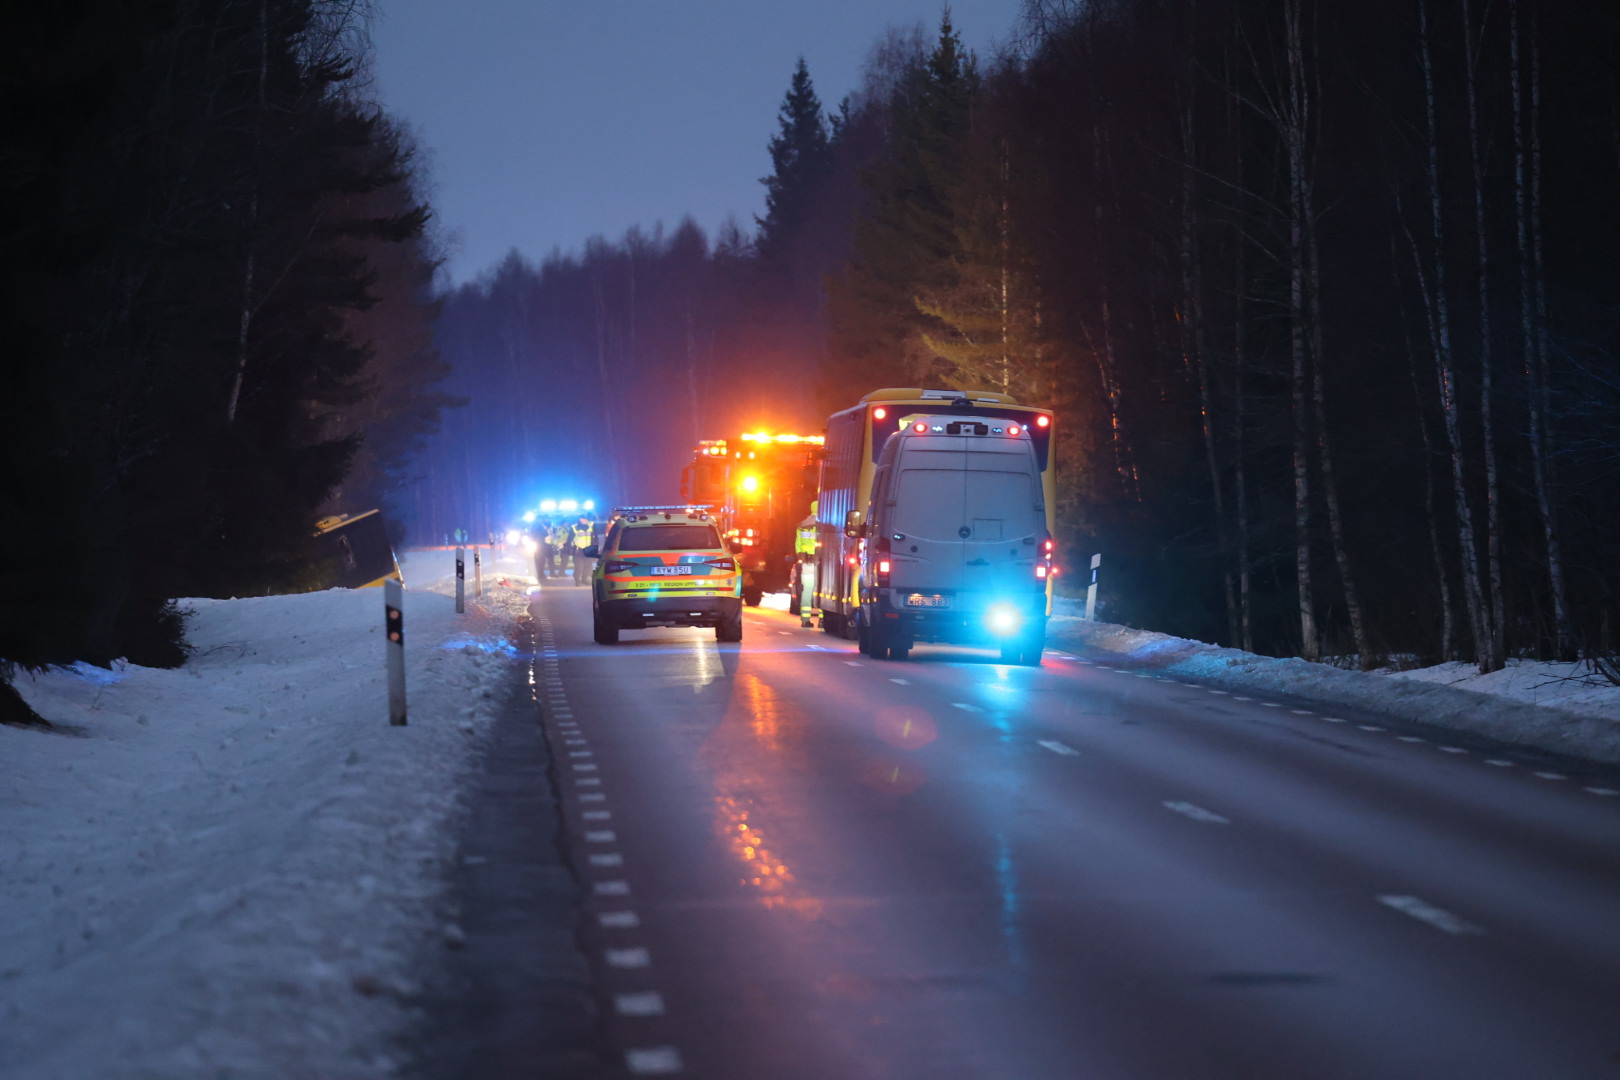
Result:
[
  {"x": 1059, "y": 748},
  {"x": 964, "y": 706},
  {"x": 1604, "y": 791},
  {"x": 900, "y": 682}
]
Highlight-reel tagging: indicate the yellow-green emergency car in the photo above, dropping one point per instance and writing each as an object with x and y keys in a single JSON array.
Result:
[{"x": 664, "y": 566}]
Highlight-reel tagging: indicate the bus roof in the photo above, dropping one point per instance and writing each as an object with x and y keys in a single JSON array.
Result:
[{"x": 919, "y": 394}]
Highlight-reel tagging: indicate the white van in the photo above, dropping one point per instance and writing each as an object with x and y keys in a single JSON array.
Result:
[{"x": 956, "y": 544}]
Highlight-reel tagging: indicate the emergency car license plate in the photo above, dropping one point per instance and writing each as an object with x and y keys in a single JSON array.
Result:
[
  {"x": 919, "y": 600},
  {"x": 671, "y": 570}
]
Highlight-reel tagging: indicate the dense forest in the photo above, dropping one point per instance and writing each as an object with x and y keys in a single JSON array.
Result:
[
  {"x": 1323, "y": 293},
  {"x": 215, "y": 288}
]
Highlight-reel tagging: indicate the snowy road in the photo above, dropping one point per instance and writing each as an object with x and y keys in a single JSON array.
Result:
[{"x": 802, "y": 863}]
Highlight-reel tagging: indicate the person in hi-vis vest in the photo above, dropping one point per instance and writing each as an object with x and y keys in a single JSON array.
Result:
[{"x": 581, "y": 541}]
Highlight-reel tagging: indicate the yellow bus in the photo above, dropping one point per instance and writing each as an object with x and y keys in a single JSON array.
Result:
[{"x": 854, "y": 438}]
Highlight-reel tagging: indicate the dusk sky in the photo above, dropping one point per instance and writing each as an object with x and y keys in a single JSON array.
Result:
[{"x": 546, "y": 122}]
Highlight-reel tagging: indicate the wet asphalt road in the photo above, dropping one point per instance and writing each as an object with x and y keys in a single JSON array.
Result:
[{"x": 803, "y": 864}]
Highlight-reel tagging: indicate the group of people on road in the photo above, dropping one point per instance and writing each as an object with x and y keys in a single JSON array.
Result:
[{"x": 561, "y": 543}]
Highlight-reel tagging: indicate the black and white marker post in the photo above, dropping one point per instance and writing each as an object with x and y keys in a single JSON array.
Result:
[
  {"x": 478, "y": 572},
  {"x": 461, "y": 581},
  {"x": 1091, "y": 590},
  {"x": 394, "y": 626}
]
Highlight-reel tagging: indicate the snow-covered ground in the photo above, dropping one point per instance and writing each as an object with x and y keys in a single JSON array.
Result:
[
  {"x": 237, "y": 869},
  {"x": 1564, "y": 708}
]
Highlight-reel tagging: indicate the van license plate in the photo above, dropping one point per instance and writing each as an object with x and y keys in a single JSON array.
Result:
[
  {"x": 919, "y": 600},
  {"x": 671, "y": 570}
]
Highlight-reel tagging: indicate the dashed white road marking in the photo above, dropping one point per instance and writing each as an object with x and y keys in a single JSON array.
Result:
[
  {"x": 1335, "y": 719},
  {"x": 1059, "y": 748},
  {"x": 610, "y": 858},
  {"x": 965, "y": 707},
  {"x": 644, "y": 1003},
  {"x": 1439, "y": 918},
  {"x": 1607, "y": 792},
  {"x": 654, "y": 1061},
  {"x": 819, "y": 648},
  {"x": 611, "y": 888},
  {"x": 1197, "y": 813},
  {"x": 600, "y": 836},
  {"x": 1369, "y": 727},
  {"x": 1240, "y": 697},
  {"x": 784, "y": 633},
  {"x": 619, "y": 920},
  {"x": 1272, "y": 704},
  {"x": 581, "y": 753},
  {"x": 1411, "y": 738},
  {"x": 1500, "y": 763},
  {"x": 636, "y": 957},
  {"x": 592, "y": 796},
  {"x": 574, "y": 742},
  {"x": 1552, "y": 776},
  {"x": 1452, "y": 750},
  {"x": 1222, "y": 693},
  {"x": 584, "y": 766},
  {"x": 1302, "y": 712},
  {"x": 901, "y": 682},
  {"x": 588, "y": 781},
  {"x": 854, "y": 663},
  {"x": 597, "y": 815}
]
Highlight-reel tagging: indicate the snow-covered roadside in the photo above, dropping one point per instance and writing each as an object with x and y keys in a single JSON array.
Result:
[
  {"x": 232, "y": 869},
  {"x": 1530, "y": 704}
]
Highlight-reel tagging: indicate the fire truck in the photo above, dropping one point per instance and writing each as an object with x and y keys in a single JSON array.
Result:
[{"x": 760, "y": 487}]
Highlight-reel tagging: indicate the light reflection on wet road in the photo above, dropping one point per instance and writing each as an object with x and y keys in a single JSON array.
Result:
[{"x": 825, "y": 867}]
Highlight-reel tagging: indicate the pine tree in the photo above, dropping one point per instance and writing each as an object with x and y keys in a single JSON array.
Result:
[
  {"x": 799, "y": 157},
  {"x": 906, "y": 242}
]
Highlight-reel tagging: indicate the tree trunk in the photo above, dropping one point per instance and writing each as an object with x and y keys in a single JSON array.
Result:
[
  {"x": 245, "y": 319},
  {"x": 1496, "y": 650},
  {"x": 1532, "y": 312},
  {"x": 1439, "y": 312},
  {"x": 1124, "y": 465},
  {"x": 1294, "y": 143},
  {"x": 1197, "y": 357}
]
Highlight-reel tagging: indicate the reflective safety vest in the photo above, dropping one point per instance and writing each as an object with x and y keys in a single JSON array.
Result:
[
  {"x": 582, "y": 537},
  {"x": 804, "y": 541}
]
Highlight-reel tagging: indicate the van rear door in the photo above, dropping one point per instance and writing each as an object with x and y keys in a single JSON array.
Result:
[{"x": 966, "y": 506}]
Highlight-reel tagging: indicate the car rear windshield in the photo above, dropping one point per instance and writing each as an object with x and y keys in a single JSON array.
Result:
[{"x": 669, "y": 538}]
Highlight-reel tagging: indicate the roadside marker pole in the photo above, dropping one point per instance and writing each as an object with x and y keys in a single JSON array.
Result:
[
  {"x": 394, "y": 626},
  {"x": 1091, "y": 590},
  {"x": 478, "y": 573},
  {"x": 461, "y": 580}
]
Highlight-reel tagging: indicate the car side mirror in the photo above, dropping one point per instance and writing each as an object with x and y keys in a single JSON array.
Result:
[
  {"x": 591, "y": 552},
  {"x": 854, "y": 527}
]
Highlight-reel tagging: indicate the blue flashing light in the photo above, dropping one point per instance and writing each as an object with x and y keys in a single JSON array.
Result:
[
  {"x": 529, "y": 517},
  {"x": 549, "y": 506},
  {"x": 1004, "y": 620}
]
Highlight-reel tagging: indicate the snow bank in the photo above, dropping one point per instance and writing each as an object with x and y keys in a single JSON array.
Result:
[
  {"x": 232, "y": 869},
  {"x": 1529, "y": 704}
]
